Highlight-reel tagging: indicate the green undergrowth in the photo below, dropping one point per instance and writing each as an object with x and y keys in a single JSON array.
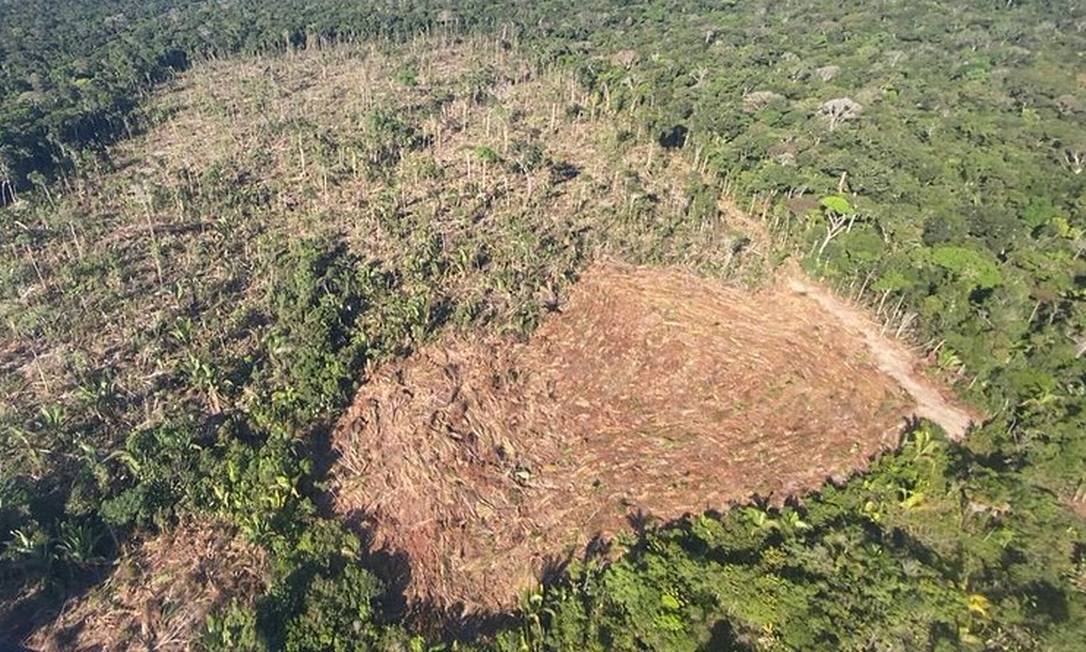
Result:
[
  {"x": 918, "y": 553},
  {"x": 934, "y": 547}
]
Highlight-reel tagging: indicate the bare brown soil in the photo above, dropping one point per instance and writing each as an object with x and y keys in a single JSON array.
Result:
[
  {"x": 892, "y": 358},
  {"x": 160, "y": 594},
  {"x": 651, "y": 395}
]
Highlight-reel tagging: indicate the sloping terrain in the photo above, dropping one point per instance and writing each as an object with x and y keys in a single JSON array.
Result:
[
  {"x": 462, "y": 188},
  {"x": 440, "y": 150},
  {"x": 651, "y": 395}
]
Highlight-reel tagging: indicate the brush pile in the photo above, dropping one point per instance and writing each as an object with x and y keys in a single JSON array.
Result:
[
  {"x": 161, "y": 593},
  {"x": 650, "y": 395}
]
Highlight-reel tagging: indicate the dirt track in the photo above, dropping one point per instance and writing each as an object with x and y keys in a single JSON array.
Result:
[{"x": 893, "y": 359}]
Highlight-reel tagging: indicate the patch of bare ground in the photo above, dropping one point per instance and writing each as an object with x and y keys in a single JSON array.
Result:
[
  {"x": 160, "y": 594},
  {"x": 652, "y": 394},
  {"x": 165, "y": 255},
  {"x": 933, "y": 402}
]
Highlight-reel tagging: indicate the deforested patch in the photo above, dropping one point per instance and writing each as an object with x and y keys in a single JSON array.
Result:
[
  {"x": 650, "y": 395},
  {"x": 161, "y": 593}
]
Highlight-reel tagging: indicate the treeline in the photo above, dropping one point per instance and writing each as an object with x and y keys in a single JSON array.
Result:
[{"x": 924, "y": 156}]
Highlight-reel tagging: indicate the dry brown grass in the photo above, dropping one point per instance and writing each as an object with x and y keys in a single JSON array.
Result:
[
  {"x": 269, "y": 116},
  {"x": 137, "y": 248},
  {"x": 653, "y": 394},
  {"x": 150, "y": 240},
  {"x": 160, "y": 594}
]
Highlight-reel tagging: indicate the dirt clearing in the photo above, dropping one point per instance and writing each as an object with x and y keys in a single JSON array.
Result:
[
  {"x": 651, "y": 395},
  {"x": 893, "y": 359}
]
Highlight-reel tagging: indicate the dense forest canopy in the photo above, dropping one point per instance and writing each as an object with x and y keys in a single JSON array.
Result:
[{"x": 925, "y": 157}]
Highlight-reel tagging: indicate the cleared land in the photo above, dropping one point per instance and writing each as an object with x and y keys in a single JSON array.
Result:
[
  {"x": 160, "y": 593},
  {"x": 477, "y": 183},
  {"x": 485, "y": 186},
  {"x": 651, "y": 395},
  {"x": 893, "y": 359},
  {"x": 447, "y": 156}
]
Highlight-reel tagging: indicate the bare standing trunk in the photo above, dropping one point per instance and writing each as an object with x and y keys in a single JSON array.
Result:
[
  {"x": 836, "y": 224},
  {"x": 7, "y": 188},
  {"x": 1075, "y": 160}
]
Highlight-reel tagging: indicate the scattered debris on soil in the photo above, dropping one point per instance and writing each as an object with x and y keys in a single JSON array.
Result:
[
  {"x": 650, "y": 395},
  {"x": 160, "y": 594}
]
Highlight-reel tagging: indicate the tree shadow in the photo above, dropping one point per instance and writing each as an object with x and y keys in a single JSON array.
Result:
[
  {"x": 723, "y": 638},
  {"x": 640, "y": 521},
  {"x": 22, "y": 613},
  {"x": 673, "y": 137},
  {"x": 319, "y": 450},
  {"x": 455, "y": 623}
]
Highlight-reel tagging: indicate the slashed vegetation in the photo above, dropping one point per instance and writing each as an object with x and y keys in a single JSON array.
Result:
[
  {"x": 650, "y": 396},
  {"x": 161, "y": 592},
  {"x": 247, "y": 265},
  {"x": 188, "y": 311}
]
